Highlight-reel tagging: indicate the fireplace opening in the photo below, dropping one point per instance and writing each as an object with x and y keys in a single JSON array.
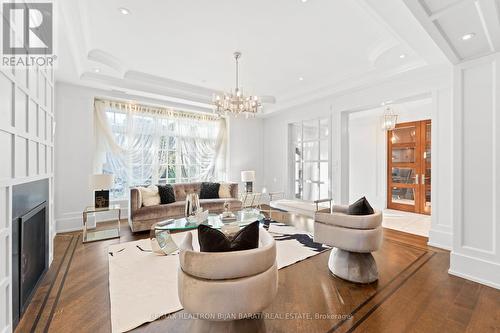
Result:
[{"x": 30, "y": 244}]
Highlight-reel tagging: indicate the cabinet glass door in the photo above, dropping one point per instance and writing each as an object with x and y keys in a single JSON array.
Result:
[{"x": 408, "y": 161}]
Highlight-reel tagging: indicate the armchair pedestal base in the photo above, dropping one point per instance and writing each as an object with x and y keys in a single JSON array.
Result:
[{"x": 353, "y": 266}]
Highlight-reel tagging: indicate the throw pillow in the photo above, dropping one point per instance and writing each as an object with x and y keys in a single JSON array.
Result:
[
  {"x": 225, "y": 190},
  {"x": 150, "y": 195},
  {"x": 167, "y": 194},
  {"x": 209, "y": 190},
  {"x": 360, "y": 207},
  {"x": 213, "y": 240}
]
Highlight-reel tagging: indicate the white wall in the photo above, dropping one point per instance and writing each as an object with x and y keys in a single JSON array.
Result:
[
  {"x": 75, "y": 141},
  {"x": 434, "y": 81},
  {"x": 476, "y": 190},
  {"x": 26, "y": 148},
  {"x": 368, "y": 149},
  {"x": 245, "y": 150}
]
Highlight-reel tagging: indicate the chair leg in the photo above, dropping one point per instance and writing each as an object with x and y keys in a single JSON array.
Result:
[{"x": 353, "y": 266}]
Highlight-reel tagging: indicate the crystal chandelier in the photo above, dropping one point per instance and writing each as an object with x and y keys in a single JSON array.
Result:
[
  {"x": 390, "y": 118},
  {"x": 236, "y": 103}
]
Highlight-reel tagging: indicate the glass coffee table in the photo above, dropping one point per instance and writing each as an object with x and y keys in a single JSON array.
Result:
[{"x": 243, "y": 218}]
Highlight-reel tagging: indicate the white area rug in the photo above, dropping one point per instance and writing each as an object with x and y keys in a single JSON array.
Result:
[{"x": 143, "y": 285}]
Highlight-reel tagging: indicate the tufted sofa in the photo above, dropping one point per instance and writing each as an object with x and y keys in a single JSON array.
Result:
[{"x": 142, "y": 218}]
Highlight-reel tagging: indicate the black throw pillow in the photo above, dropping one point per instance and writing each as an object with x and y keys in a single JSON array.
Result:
[
  {"x": 209, "y": 190},
  {"x": 360, "y": 207},
  {"x": 213, "y": 240},
  {"x": 166, "y": 193}
]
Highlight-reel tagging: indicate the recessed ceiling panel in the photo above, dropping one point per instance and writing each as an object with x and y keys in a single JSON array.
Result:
[
  {"x": 433, "y": 6},
  {"x": 460, "y": 21}
]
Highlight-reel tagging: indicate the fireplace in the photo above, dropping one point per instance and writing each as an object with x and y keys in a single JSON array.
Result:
[{"x": 30, "y": 243}]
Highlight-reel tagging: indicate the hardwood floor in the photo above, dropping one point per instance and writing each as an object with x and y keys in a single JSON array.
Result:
[{"x": 414, "y": 294}]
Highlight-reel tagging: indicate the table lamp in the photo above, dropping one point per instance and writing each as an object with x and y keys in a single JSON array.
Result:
[
  {"x": 101, "y": 183},
  {"x": 248, "y": 177}
]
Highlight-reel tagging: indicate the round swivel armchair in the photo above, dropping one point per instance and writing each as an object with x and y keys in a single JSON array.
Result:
[
  {"x": 223, "y": 286},
  {"x": 353, "y": 238}
]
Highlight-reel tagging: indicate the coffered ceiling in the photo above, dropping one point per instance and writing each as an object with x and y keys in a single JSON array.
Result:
[
  {"x": 293, "y": 50},
  {"x": 463, "y": 29}
]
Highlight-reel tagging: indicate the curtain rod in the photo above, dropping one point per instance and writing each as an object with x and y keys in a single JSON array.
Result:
[{"x": 139, "y": 107}]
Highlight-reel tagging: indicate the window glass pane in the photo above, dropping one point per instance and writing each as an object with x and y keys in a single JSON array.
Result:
[
  {"x": 311, "y": 151},
  {"x": 323, "y": 172},
  {"x": 403, "y": 175},
  {"x": 310, "y": 130},
  {"x": 403, "y": 135},
  {"x": 403, "y": 155},
  {"x": 403, "y": 195},
  {"x": 323, "y": 153},
  {"x": 311, "y": 171}
]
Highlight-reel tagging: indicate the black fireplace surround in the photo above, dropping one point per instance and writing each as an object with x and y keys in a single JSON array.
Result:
[{"x": 30, "y": 242}]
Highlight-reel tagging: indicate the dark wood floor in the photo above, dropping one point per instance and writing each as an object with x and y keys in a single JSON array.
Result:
[{"x": 414, "y": 294}]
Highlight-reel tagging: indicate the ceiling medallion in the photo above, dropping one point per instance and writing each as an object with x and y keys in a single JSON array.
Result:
[{"x": 236, "y": 103}]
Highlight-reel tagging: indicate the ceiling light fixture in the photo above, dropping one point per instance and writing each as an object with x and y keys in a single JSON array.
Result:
[
  {"x": 304, "y": 0},
  {"x": 301, "y": 78},
  {"x": 236, "y": 103},
  {"x": 96, "y": 70},
  {"x": 390, "y": 118},
  {"x": 468, "y": 36},
  {"x": 124, "y": 11},
  {"x": 402, "y": 56}
]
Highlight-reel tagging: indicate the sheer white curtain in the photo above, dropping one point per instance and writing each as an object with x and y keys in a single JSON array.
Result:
[{"x": 142, "y": 145}]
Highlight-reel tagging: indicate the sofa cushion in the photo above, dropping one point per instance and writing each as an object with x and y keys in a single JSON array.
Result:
[
  {"x": 167, "y": 194},
  {"x": 225, "y": 190},
  {"x": 159, "y": 212},
  {"x": 150, "y": 195},
  {"x": 360, "y": 207},
  {"x": 209, "y": 190},
  {"x": 213, "y": 240}
]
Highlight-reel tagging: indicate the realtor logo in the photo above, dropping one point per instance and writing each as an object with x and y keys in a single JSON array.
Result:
[
  {"x": 27, "y": 28},
  {"x": 27, "y": 34}
]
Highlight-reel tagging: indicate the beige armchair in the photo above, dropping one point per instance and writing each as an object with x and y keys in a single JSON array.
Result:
[
  {"x": 353, "y": 237},
  {"x": 223, "y": 286}
]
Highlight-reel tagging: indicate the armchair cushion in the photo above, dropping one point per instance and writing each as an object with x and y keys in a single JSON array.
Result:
[
  {"x": 212, "y": 240},
  {"x": 360, "y": 207}
]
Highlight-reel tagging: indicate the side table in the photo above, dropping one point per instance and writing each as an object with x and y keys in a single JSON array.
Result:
[{"x": 97, "y": 235}]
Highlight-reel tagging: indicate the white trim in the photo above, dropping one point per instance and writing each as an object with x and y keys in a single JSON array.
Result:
[
  {"x": 475, "y": 269},
  {"x": 440, "y": 239}
]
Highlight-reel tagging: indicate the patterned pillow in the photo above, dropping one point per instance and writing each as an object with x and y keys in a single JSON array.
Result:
[
  {"x": 209, "y": 190},
  {"x": 167, "y": 194},
  {"x": 225, "y": 190},
  {"x": 150, "y": 195}
]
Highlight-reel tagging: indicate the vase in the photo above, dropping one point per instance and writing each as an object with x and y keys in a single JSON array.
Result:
[{"x": 192, "y": 204}]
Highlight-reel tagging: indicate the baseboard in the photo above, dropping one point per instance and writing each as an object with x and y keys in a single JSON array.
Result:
[
  {"x": 475, "y": 269},
  {"x": 440, "y": 239},
  {"x": 73, "y": 221}
]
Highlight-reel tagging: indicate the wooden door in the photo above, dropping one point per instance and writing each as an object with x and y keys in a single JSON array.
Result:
[{"x": 408, "y": 171}]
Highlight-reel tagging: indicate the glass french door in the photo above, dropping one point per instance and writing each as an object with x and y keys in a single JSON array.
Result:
[
  {"x": 310, "y": 159},
  {"x": 409, "y": 167}
]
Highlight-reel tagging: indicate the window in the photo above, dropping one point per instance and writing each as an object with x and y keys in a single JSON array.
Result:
[
  {"x": 310, "y": 159},
  {"x": 153, "y": 148}
]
